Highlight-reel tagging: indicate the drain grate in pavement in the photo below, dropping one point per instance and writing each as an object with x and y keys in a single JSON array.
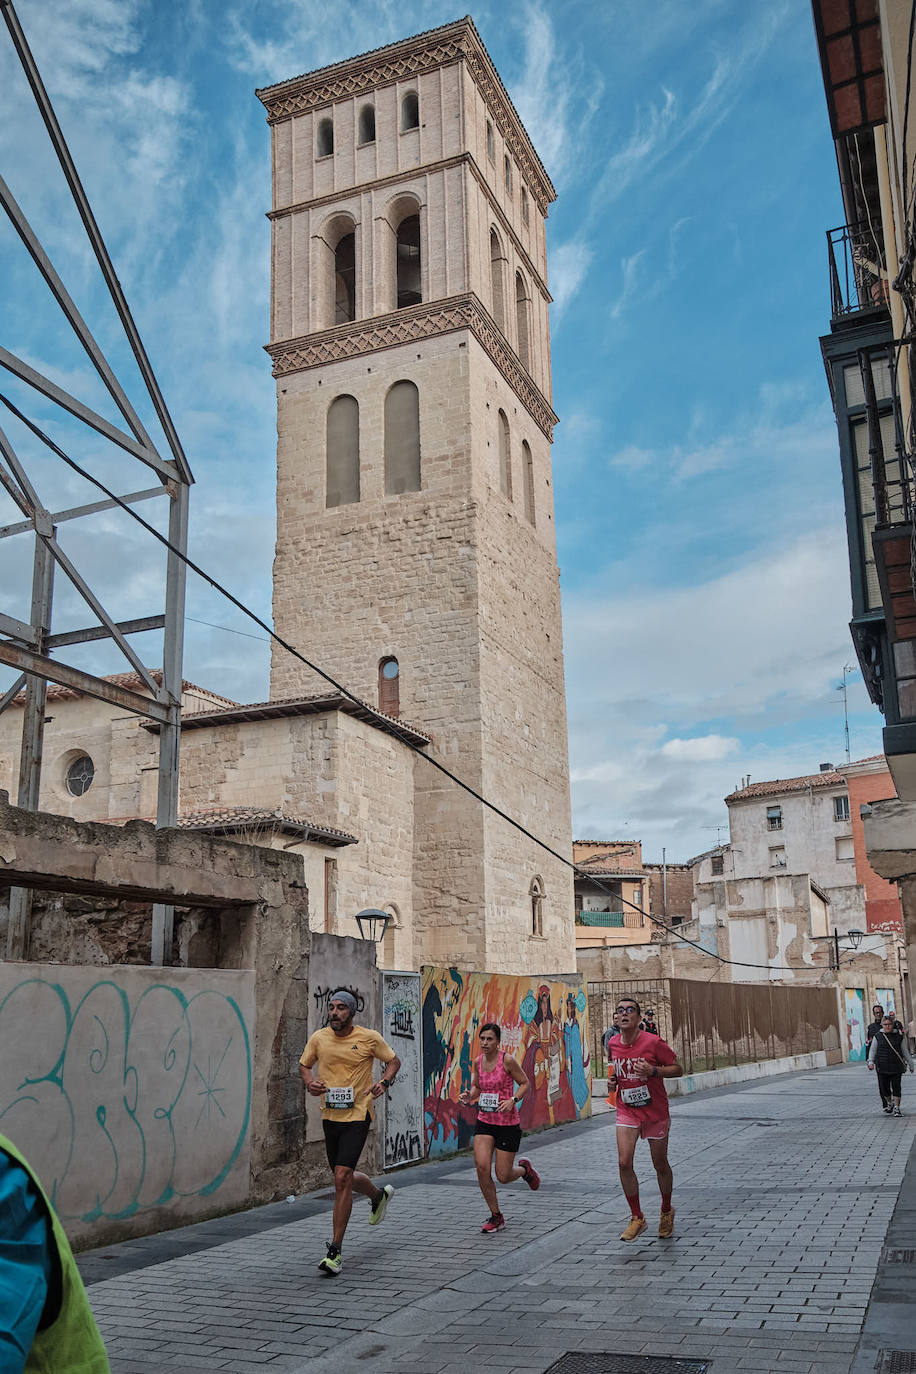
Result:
[
  {"x": 896, "y": 1362},
  {"x": 580, "y": 1362},
  {"x": 898, "y": 1257}
]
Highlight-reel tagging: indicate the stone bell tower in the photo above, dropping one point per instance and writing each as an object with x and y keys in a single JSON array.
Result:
[{"x": 416, "y": 555}]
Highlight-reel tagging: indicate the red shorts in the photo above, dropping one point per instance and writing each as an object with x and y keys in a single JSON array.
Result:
[{"x": 650, "y": 1127}]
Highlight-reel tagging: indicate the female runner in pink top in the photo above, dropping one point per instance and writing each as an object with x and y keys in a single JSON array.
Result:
[{"x": 497, "y": 1085}]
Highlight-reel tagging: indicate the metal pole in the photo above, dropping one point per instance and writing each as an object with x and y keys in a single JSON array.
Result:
[
  {"x": 170, "y": 733},
  {"x": 664, "y": 885},
  {"x": 836, "y": 949},
  {"x": 33, "y": 726}
]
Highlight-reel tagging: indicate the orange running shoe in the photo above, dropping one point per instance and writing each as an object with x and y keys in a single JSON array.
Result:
[
  {"x": 666, "y": 1224},
  {"x": 634, "y": 1227}
]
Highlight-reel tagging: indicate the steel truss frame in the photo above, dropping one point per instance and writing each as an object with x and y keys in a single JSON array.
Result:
[{"x": 28, "y": 647}]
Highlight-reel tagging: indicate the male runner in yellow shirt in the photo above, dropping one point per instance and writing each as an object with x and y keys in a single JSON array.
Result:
[{"x": 344, "y": 1054}]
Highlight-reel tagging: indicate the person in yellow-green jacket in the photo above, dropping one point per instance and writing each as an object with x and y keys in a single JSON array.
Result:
[{"x": 46, "y": 1323}]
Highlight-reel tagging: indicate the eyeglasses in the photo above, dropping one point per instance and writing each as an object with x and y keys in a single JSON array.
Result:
[{"x": 621, "y": 1011}]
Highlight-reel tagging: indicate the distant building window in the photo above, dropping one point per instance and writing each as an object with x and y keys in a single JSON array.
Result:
[
  {"x": 80, "y": 775},
  {"x": 410, "y": 111},
  {"x": 845, "y": 853},
  {"x": 841, "y": 808},
  {"x": 528, "y": 462},
  {"x": 524, "y": 205},
  {"x": 342, "y": 459},
  {"x": 389, "y": 687},
  {"x": 402, "y": 439},
  {"x": 496, "y": 280},
  {"x": 345, "y": 280},
  {"x": 536, "y": 894},
  {"x": 718, "y": 865},
  {"x": 507, "y": 174},
  {"x": 367, "y": 124},
  {"x": 324, "y": 142},
  {"x": 778, "y": 856},
  {"x": 521, "y": 321},
  {"x": 505, "y": 455},
  {"x": 774, "y": 818},
  {"x": 490, "y": 148},
  {"x": 408, "y": 256}
]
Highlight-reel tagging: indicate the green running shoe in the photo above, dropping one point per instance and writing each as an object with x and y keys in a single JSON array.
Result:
[
  {"x": 379, "y": 1208},
  {"x": 332, "y": 1262}
]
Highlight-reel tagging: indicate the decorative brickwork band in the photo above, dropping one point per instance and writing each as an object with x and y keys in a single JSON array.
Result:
[
  {"x": 410, "y": 326},
  {"x": 426, "y": 53}
]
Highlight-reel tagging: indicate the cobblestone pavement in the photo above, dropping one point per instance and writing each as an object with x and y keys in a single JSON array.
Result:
[{"x": 783, "y": 1190}]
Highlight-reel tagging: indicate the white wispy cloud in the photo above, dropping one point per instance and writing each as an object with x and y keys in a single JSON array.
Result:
[{"x": 701, "y": 749}]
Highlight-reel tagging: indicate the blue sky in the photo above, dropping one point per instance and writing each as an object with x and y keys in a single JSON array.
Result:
[{"x": 699, "y": 510}]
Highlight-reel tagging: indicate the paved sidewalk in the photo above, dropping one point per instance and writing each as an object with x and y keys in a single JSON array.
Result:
[{"x": 784, "y": 1190}]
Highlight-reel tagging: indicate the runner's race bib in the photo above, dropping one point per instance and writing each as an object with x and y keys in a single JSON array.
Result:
[
  {"x": 488, "y": 1102},
  {"x": 636, "y": 1097},
  {"x": 339, "y": 1098}
]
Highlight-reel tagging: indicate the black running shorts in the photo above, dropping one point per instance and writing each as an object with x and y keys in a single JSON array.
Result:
[
  {"x": 506, "y": 1137},
  {"x": 344, "y": 1141}
]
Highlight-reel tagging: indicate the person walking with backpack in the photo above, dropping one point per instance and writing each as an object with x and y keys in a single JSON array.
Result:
[{"x": 889, "y": 1056}]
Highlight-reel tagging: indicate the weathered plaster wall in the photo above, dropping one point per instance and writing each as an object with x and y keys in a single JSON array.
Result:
[{"x": 252, "y": 918}]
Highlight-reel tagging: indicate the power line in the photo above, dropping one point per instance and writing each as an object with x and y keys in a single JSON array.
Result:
[
  {"x": 351, "y": 696},
  {"x": 228, "y": 628}
]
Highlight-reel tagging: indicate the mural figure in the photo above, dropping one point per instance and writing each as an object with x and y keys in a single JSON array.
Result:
[
  {"x": 577, "y": 1056},
  {"x": 534, "y": 1033},
  {"x": 464, "y": 1062}
]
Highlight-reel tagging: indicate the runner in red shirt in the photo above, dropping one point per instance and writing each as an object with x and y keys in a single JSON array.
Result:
[{"x": 638, "y": 1062}]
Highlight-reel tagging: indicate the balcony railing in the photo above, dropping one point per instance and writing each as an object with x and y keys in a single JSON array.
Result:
[
  {"x": 630, "y": 919},
  {"x": 858, "y": 271}
]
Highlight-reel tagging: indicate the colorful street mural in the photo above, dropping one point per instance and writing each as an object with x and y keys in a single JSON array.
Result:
[
  {"x": 854, "y": 999},
  {"x": 544, "y": 1025}
]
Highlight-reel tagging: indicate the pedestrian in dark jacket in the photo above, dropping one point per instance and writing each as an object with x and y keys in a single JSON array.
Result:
[{"x": 889, "y": 1056}]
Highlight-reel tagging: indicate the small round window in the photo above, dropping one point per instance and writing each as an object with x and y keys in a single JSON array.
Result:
[
  {"x": 390, "y": 668},
  {"x": 80, "y": 775}
]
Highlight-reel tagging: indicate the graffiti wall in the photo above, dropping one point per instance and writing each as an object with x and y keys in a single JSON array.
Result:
[
  {"x": 129, "y": 1088},
  {"x": 544, "y": 1026},
  {"x": 403, "y": 1104}
]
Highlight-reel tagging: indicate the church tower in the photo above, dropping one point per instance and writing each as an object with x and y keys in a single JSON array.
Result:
[{"x": 416, "y": 555}]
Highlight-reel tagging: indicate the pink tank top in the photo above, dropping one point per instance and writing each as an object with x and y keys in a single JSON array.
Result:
[{"x": 499, "y": 1081}]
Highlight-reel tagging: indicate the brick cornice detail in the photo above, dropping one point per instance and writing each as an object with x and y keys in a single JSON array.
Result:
[
  {"x": 410, "y": 326},
  {"x": 424, "y": 54}
]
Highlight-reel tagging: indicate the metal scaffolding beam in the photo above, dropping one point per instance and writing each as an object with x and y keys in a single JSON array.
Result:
[{"x": 28, "y": 647}]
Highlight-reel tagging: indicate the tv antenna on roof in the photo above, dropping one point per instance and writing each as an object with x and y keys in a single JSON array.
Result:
[{"x": 842, "y": 688}]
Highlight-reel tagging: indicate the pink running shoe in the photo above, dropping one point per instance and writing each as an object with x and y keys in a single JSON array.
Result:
[
  {"x": 496, "y": 1222},
  {"x": 532, "y": 1177}
]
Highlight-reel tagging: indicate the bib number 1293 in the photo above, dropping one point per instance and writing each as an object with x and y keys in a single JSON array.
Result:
[{"x": 339, "y": 1098}]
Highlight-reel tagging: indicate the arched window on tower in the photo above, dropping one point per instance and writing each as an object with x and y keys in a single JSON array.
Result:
[
  {"x": 367, "y": 124},
  {"x": 342, "y": 460},
  {"x": 505, "y": 455},
  {"x": 496, "y": 280},
  {"x": 521, "y": 321},
  {"x": 410, "y": 111},
  {"x": 528, "y": 463},
  {"x": 345, "y": 280},
  {"x": 389, "y": 687},
  {"x": 402, "y": 439},
  {"x": 324, "y": 139},
  {"x": 536, "y": 897},
  {"x": 408, "y": 258}
]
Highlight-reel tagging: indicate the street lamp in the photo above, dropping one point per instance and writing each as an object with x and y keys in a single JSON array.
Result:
[
  {"x": 854, "y": 937},
  {"x": 372, "y": 923}
]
